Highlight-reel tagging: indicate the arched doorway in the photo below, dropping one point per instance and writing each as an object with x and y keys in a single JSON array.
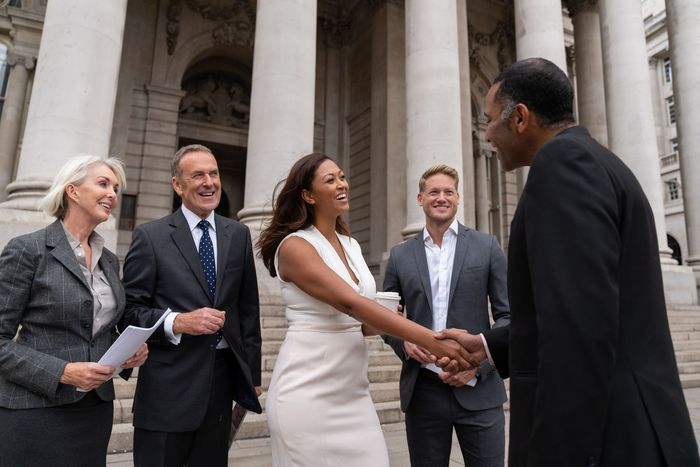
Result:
[{"x": 675, "y": 249}]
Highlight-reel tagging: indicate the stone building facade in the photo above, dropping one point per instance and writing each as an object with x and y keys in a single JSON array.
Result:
[{"x": 386, "y": 87}]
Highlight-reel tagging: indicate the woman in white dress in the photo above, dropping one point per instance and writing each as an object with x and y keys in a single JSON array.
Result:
[{"x": 318, "y": 407}]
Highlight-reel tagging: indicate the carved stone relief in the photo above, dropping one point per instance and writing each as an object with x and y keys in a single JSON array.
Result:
[
  {"x": 502, "y": 38},
  {"x": 577, "y": 6},
  {"x": 216, "y": 99},
  {"x": 15, "y": 59},
  {"x": 235, "y": 20}
]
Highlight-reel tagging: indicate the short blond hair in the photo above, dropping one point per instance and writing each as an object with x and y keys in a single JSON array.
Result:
[
  {"x": 73, "y": 172},
  {"x": 438, "y": 169}
]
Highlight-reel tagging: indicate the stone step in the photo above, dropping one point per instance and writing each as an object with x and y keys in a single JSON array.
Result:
[
  {"x": 683, "y": 345},
  {"x": 685, "y": 327},
  {"x": 273, "y": 322},
  {"x": 384, "y": 373},
  {"x": 687, "y": 356},
  {"x": 687, "y": 368},
  {"x": 685, "y": 336},
  {"x": 690, "y": 380}
]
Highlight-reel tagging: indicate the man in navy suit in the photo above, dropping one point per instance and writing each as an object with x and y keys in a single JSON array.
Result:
[
  {"x": 593, "y": 376},
  {"x": 207, "y": 353}
]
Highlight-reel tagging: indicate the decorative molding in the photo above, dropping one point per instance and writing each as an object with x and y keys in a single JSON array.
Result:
[
  {"x": 579, "y": 6},
  {"x": 28, "y": 62}
]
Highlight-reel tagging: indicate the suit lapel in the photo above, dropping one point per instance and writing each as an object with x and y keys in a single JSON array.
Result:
[
  {"x": 60, "y": 249},
  {"x": 223, "y": 244},
  {"x": 182, "y": 237},
  {"x": 423, "y": 273},
  {"x": 460, "y": 253}
]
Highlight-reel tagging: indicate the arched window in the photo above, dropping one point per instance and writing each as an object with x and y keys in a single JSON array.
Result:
[
  {"x": 4, "y": 73},
  {"x": 675, "y": 249}
]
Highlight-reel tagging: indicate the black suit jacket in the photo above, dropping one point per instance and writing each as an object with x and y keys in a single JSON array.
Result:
[
  {"x": 162, "y": 270},
  {"x": 478, "y": 274},
  {"x": 593, "y": 376}
]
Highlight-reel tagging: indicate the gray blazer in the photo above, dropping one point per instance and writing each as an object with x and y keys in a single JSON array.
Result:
[
  {"x": 43, "y": 293},
  {"x": 479, "y": 272}
]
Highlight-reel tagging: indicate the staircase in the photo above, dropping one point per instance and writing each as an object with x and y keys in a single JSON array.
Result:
[{"x": 384, "y": 370}]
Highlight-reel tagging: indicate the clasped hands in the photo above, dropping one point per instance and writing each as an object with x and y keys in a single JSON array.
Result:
[{"x": 460, "y": 359}]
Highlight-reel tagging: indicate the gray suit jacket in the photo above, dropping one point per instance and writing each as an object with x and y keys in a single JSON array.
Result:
[
  {"x": 43, "y": 290},
  {"x": 479, "y": 271}
]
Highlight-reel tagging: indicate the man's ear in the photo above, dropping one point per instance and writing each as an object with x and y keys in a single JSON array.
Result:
[
  {"x": 521, "y": 117},
  {"x": 420, "y": 199},
  {"x": 176, "y": 186}
]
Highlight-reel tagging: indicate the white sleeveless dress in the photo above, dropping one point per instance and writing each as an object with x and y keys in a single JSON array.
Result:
[{"x": 318, "y": 407}]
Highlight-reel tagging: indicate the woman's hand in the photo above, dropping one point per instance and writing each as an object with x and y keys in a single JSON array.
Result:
[
  {"x": 86, "y": 375},
  {"x": 138, "y": 359}
]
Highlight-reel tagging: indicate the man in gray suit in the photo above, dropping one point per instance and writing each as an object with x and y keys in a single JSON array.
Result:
[{"x": 444, "y": 275}]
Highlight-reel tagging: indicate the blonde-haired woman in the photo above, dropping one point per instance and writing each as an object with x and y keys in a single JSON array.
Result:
[{"x": 61, "y": 302}]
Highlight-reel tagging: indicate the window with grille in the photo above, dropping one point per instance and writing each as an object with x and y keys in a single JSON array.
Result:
[
  {"x": 671, "y": 107},
  {"x": 668, "y": 71},
  {"x": 672, "y": 185}
]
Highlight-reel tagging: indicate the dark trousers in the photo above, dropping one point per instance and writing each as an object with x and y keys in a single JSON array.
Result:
[
  {"x": 207, "y": 446},
  {"x": 432, "y": 415}
]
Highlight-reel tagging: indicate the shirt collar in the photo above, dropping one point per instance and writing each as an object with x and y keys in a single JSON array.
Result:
[
  {"x": 95, "y": 241},
  {"x": 452, "y": 229},
  {"x": 193, "y": 219}
]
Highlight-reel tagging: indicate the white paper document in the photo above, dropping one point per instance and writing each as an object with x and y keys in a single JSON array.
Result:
[{"x": 128, "y": 343}]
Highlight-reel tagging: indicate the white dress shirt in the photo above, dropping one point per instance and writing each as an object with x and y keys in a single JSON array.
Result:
[
  {"x": 440, "y": 262},
  {"x": 192, "y": 220}
]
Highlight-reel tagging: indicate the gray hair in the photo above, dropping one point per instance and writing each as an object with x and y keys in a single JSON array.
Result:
[
  {"x": 73, "y": 172},
  {"x": 175, "y": 165}
]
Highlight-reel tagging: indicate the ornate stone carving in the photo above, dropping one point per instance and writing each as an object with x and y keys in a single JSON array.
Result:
[
  {"x": 502, "y": 38},
  {"x": 216, "y": 99},
  {"x": 173, "y": 26},
  {"x": 236, "y": 20},
  {"x": 14, "y": 59},
  {"x": 336, "y": 30},
  {"x": 577, "y": 6}
]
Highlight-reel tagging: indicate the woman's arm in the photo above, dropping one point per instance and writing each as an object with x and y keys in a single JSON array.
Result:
[{"x": 300, "y": 263}]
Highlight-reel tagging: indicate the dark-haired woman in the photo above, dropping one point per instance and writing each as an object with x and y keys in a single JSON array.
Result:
[{"x": 319, "y": 408}]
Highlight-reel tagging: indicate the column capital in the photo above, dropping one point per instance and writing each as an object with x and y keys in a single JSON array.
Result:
[
  {"x": 579, "y": 6},
  {"x": 24, "y": 60}
]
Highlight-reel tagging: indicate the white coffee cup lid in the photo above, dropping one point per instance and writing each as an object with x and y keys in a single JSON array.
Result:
[{"x": 388, "y": 295}]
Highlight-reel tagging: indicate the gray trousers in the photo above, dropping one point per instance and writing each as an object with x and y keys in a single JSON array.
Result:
[{"x": 432, "y": 415}]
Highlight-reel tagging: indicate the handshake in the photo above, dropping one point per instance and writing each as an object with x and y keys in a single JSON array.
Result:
[{"x": 457, "y": 352}]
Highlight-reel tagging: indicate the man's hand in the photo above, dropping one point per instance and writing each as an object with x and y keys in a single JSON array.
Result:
[
  {"x": 258, "y": 390},
  {"x": 199, "y": 322},
  {"x": 471, "y": 343},
  {"x": 458, "y": 379},
  {"x": 457, "y": 358},
  {"x": 138, "y": 359},
  {"x": 86, "y": 375},
  {"x": 417, "y": 353}
]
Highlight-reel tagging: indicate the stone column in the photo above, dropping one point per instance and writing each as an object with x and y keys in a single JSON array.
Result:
[
  {"x": 433, "y": 114},
  {"x": 482, "y": 195},
  {"x": 631, "y": 131},
  {"x": 11, "y": 120},
  {"x": 539, "y": 30},
  {"x": 73, "y": 94},
  {"x": 589, "y": 67},
  {"x": 467, "y": 186},
  {"x": 282, "y": 100},
  {"x": 684, "y": 35}
]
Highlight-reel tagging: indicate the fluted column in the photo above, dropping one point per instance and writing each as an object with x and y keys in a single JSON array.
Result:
[
  {"x": 589, "y": 67},
  {"x": 282, "y": 100},
  {"x": 11, "y": 119},
  {"x": 73, "y": 93},
  {"x": 684, "y": 35},
  {"x": 631, "y": 131},
  {"x": 433, "y": 114},
  {"x": 539, "y": 30}
]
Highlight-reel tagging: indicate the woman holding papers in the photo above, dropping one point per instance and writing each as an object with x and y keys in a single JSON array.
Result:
[
  {"x": 61, "y": 302},
  {"x": 319, "y": 408}
]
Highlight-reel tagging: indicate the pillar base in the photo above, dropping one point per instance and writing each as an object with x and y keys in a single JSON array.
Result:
[
  {"x": 680, "y": 286},
  {"x": 15, "y": 222}
]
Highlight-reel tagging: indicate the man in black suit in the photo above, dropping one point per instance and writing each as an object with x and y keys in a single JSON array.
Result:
[
  {"x": 593, "y": 376},
  {"x": 205, "y": 355}
]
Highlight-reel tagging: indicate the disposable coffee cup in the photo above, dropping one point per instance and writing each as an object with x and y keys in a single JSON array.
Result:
[{"x": 389, "y": 299}]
